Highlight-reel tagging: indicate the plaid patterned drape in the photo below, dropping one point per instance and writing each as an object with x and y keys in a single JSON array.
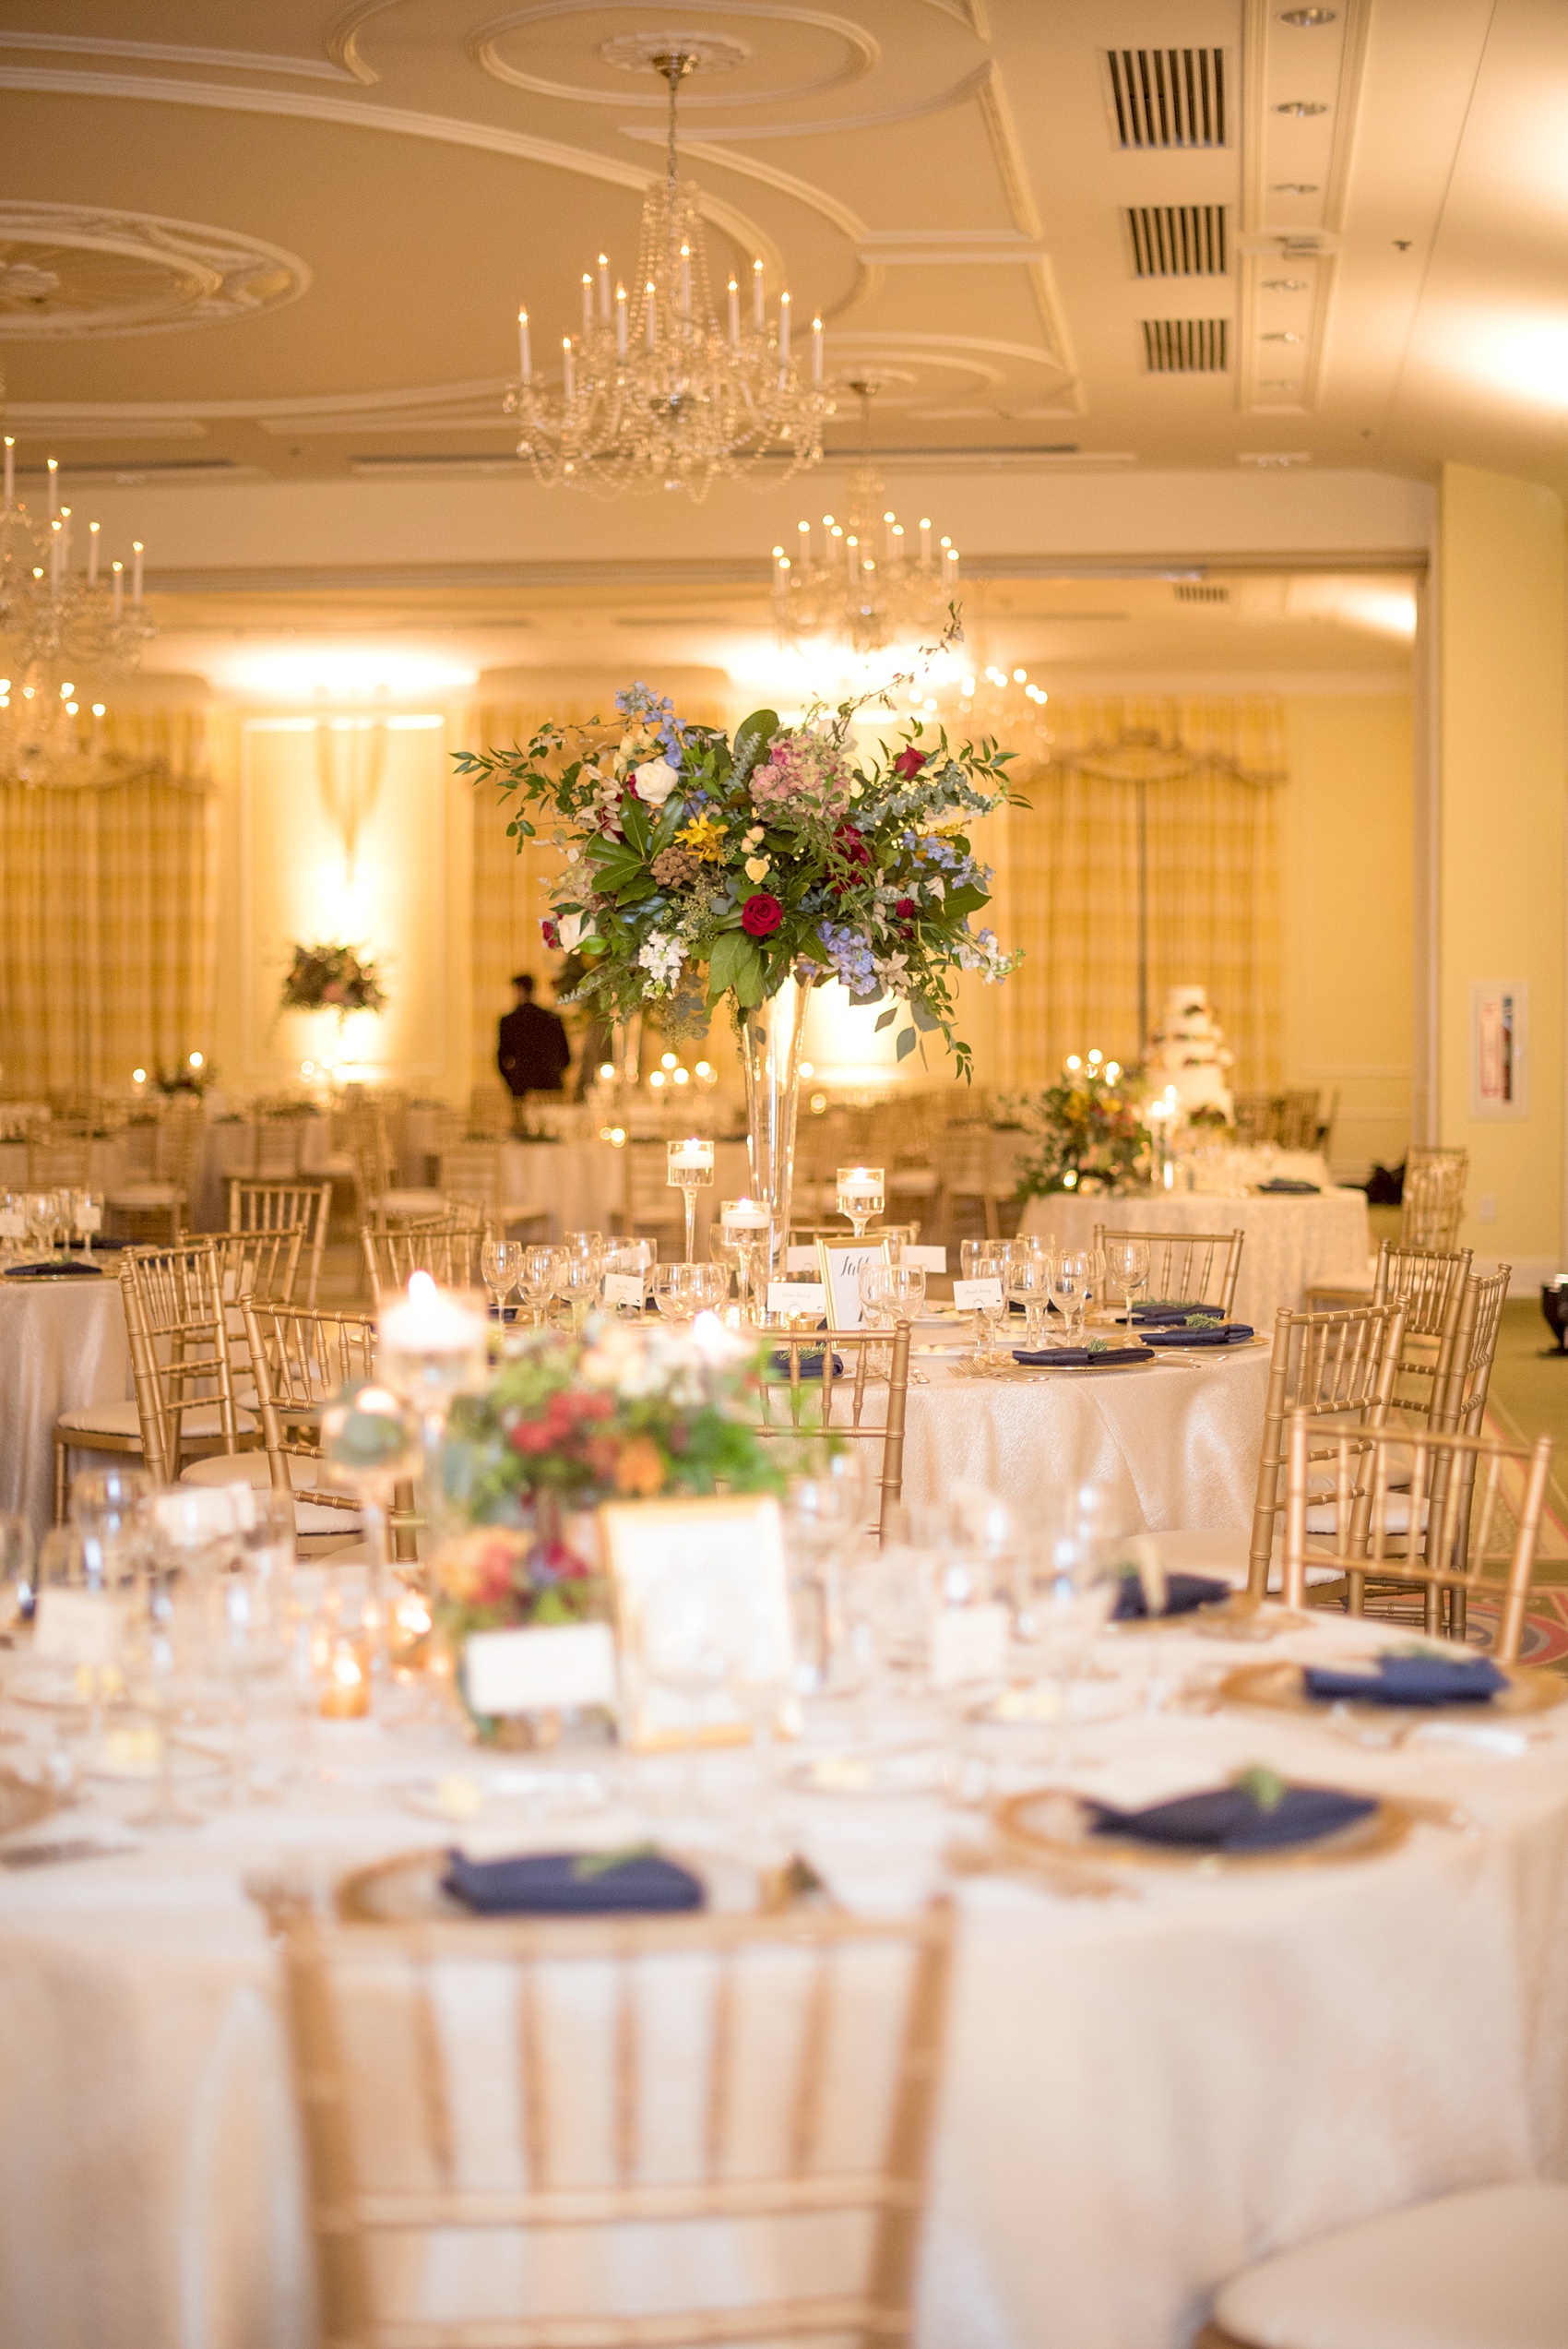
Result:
[
  {"x": 108, "y": 945},
  {"x": 1208, "y": 769}
]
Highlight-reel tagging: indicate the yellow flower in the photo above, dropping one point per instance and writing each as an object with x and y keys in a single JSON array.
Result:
[
  {"x": 756, "y": 867},
  {"x": 704, "y": 837}
]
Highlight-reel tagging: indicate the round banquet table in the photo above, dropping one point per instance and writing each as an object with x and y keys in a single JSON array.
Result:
[
  {"x": 62, "y": 1345},
  {"x": 580, "y": 1185},
  {"x": 1291, "y": 1241},
  {"x": 1139, "y": 2095},
  {"x": 1175, "y": 1441}
]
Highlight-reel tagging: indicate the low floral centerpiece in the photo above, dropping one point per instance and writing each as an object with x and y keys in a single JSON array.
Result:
[
  {"x": 332, "y": 978},
  {"x": 699, "y": 868},
  {"x": 1088, "y": 1128},
  {"x": 620, "y": 1413}
]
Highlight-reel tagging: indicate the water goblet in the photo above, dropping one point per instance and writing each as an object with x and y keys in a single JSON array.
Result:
[
  {"x": 986, "y": 1260},
  {"x": 111, "y": 1508},
  {"x": 501, "y": 1265},
  {"x": 541, "y": 1270},
  {"x": 576, "y": 1279},
  {"x": 87, "y": 1217},
  {"x": 1075, "y": 1283},
  {"x": 1031, "y": 1284},
  {"x": 859, "y": 1192},
  {"x": 1127, "y": 1268},
  {"x": 678, "y": 1292},
  {"x": 628, "y": 1269}
]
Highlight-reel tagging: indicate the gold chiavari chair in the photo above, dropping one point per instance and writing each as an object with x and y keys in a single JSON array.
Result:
[
  {"x": 1194, "y": 1268},
  {"x": 299, "y": 1359},
  {"x": 285, "y": 1207},
  {"x": 368, "y": 1129},
  {"x": 448, "y": 1252},
  {"x": 1297, "y": 1120},
  {"x": 644, "y": 2132},
  {"x": 649, "y": 1206},
  {"x": 1257, "y": 1117},
  {"x": 61, "y": 1164},
  {"x": 181, "y": 1365},
  {"x": 1421, "y": 1510},
  {"x": 967, "y": 1182},
  {"x": 475, "y": 1172},
  {"x": 1434, "y": 1203},
  {"x": 163, "y": 1197},
  {"x": 1431, "y": 1284},
  {"x": 1325, "y": 1366},
  {"x": 797, "y": 1402}
]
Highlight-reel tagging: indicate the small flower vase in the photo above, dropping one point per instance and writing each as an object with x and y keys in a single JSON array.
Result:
[{"x": 772, "y": 1033}]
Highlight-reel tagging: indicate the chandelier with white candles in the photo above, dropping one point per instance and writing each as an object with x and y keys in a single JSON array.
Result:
[
  {"x": 68, "y": 624},
  {"x": 654, "y": 391},
  {"x": 864, "y": 580}
]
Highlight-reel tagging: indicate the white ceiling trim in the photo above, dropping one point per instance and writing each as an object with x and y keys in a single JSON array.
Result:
[
  {"x": 342, "y": 38},
  {"x": 174, "y": 53},
  {"x": 360, "y": 115},
  {"x": 864, "y": 53},
  {"x": 941, "y": 101}
]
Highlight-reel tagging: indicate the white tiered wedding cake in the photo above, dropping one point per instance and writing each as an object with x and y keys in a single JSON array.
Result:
[{"x": 1187, "y": 1053}]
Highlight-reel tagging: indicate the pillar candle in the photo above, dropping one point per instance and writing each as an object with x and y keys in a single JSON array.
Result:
[{"x": 525, "y": 348}]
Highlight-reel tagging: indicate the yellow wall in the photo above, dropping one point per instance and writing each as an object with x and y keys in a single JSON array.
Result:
[
  {"x": 1346, "y": 850},
  {"x": 1502, "y": 747}
]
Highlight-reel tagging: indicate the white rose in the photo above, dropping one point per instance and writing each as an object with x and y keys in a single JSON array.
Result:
[
  {"x": 573, "y": 928},
  {"x": 655, "y": 782}
]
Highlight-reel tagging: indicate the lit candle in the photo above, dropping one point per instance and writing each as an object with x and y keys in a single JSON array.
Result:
[
  {"x": 887, "y": 538},
  {"x": 93, "y": 528},
  {"x": 744, "y": 1215},
  {"x": 432, "y": 1342},
  {"x": 119, "y": 571},
  {"x": 621, "y": 320},
  {"x": 525, "y": 347},
  {"x": 566, "y": 369},
  {"x": 604, "y": 285},
  {"x": 10, "y": 466},
  {"x": 950, "y": 556},
  {"x": 734, "y": 330},
  {"x": 925, "y": 542},
  {"x": 688, "y": 1160},
  {"x": 53, "y": 486},
  {"x": 852, "y": 557},
  {"x": 783, "y": 330},
  {"x": 649, "y": 310},
  {"x": 347, "y": 1694},
  {"x": 685, "y": 281},
  {"x": 56, "y": 547},
  {"x": 136, "y": 570},
  {"x": 816, "y": 350},
  {"x": 756, "y": 295},
  {"x": 588, "y": 302}
]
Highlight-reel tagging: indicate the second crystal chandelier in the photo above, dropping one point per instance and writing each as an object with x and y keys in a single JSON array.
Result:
[{"x": 654, "y": 393}]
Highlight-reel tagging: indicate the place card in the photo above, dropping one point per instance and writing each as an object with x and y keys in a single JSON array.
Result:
[
  {"x": 76, "y": 1628},
  {"x": 797, "y": 1296},
  {"x": 540, "y": 1670},
  {"x": 625, "y": 1288},
  {"x": 967, "y": 1643},
  {"x": 675, "y": 1566},
  {"x": 978, "y": 1296},
  {"x": 923, "y": 1259}
]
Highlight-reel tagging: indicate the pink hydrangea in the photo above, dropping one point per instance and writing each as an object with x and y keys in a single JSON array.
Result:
[{"x": 802, "y": 768}]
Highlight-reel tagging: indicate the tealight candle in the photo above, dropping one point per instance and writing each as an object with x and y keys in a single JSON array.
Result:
[
  {"x": 860, "y": 1191},
  {"x": 347, "y": 1694}
]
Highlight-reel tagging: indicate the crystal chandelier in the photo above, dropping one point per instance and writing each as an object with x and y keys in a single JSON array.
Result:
[
  {"x": 65, "y": 632},
  {"x": 653, "y": 393},
  {"x": 866, "y": 581}
]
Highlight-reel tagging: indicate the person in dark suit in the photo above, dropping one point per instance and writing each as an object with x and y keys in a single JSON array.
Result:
[{"x": 532, "y": 1053}]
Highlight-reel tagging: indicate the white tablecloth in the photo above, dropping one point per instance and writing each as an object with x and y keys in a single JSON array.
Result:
[
  {"x": 228, "y": 1148},
  {"x": 580, "y": 1185},
  {"x": 1176, "y": 1442},
  {"x": 1290, "y": 1242},
  {"x": 1139, "y": 2096},
  {"x": 63, "y": 1344}
]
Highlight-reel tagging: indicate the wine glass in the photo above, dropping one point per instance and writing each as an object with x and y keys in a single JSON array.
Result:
[
  {"x": 1072, "y": 1589},
  {"x": 628, "y": 1260},
  {"x": 111, "y": 1508},
  {"x": 860, "y": 1191},
  {"x": 679, "y": 1290},
  {"x": 1127, "y": 1268},
  {"x": 986, "y": 1260},
  {"x": 575, "y": 1279},
  {"x": 1075, "y": 1283},
  {"x": 501, "y": 1265},
  {"x": 87, "y": 1217},
  {"x": 18, "y": 1577},
  {"x": 541, "y": 1271}
]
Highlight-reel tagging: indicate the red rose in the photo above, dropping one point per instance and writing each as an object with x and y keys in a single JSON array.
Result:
[
  {"x": 905, "y": 909},
  {"x": 909, "y": 763},
  {"x": 761, "y": 915},
  {"x": 551, "y": 935}
]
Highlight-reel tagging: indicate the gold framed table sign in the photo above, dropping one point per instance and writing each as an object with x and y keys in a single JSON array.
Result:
[
  {"x": 702, "y": 1612},
  {"x": 841, "y": 1262}
]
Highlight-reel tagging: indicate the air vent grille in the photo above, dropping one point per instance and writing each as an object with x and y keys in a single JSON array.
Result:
[
  {"x": 1186, "y": 346},
  {"x": 1188, "y": 592},
  {"x": 1179, "y": 239},
  {"x": 1168, "y": 97}
]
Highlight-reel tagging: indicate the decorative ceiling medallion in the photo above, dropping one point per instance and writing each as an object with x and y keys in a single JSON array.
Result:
[
  {"x": 792, "y": 61},
  {"x": 71, "y": 270}
]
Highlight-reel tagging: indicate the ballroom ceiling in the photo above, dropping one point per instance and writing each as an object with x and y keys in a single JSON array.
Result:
[{"x": 286, "y": 239}]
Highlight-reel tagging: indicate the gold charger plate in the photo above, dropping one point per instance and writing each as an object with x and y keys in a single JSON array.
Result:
[
  {"x": 1278, "y": 1687},
  {"x": 407, "y": 1890},
  {"x": 1051, "y": 1823},
  {"x": 1119, "y": 1362}
]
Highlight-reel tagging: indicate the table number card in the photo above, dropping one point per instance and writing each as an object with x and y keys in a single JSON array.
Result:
[
  {"x": 978, "y": 1296},
  {"x": 841, "y": 1262},
  {"x": 540, "y": 1671},
  {"x": 705, "y": 1575}
]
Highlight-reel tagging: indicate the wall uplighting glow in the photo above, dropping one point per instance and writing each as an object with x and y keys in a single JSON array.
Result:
[
  {"x": 340, "y": 673},
  {"x": 1526, "y": 358}
]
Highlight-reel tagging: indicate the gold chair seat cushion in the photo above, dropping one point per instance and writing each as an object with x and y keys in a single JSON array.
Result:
[
  {"x": 1322, "y": 1517},
  {"x": 122, "y": 1419},
  {"x": 251, "y": 1468},
  {"x": 1487, "y": 2269}
]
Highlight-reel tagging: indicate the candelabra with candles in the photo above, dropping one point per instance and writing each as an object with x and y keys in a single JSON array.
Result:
[
  {"x": 653, "y": 392},
  {"x": 59, "y": 623},
  {"x": 865, "y": 581}
]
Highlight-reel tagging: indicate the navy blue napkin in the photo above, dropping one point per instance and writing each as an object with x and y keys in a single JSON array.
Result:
[
  {"x": 1052, "y": 1357},
  {"x": 1229, "y": 1333},
  {"x": 571, "y": 1884},
  {"x": 1154, "y": 1316},
  {"x": 54, "y": 1268},
  {"x": 1182, "y": 1593},
  {"x": 1286, "y": 1187},
  {"x": 1410, "y": 1680},
  {"x": 1229, "y": 1819},
  {"x": 811, "y": 1363}
]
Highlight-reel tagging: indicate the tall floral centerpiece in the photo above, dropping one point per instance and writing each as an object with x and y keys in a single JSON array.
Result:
[
  {"x": 699, "y": 869},
  {"x": 331, "y": 977},
  {"x": 1089, "y": 1131}
]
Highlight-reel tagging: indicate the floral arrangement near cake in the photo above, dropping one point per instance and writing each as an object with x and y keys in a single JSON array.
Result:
[
  {"x": 1188, "y": 1058},
  {"x": 1088, "y": 1130},
  {"x": 331, "y": 977}
]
